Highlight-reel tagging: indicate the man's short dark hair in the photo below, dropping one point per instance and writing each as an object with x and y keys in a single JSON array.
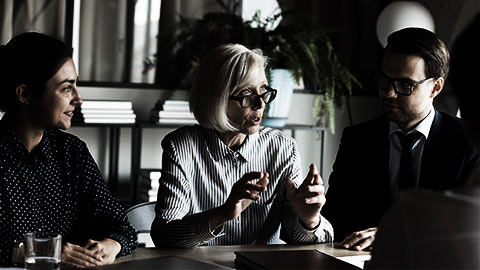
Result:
[{"x": 424, "y": 43}]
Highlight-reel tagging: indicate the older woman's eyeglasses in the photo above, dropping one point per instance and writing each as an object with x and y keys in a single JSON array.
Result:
[
  {"x": 253, "y": 99},
  {"x": 401, "y": 86}
]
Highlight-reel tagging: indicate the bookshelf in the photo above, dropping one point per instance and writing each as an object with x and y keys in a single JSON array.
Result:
[
  {"x": 136, "y": 148},
  {"x": 113, "y": 150}
]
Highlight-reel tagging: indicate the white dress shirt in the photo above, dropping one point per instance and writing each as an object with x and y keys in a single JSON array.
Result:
[{"x": 396, "y": 148}]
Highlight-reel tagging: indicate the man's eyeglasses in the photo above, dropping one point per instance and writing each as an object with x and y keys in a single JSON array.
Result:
[
  {"x": 402, "y": 87},
  {"x": 253, "y": 99}
]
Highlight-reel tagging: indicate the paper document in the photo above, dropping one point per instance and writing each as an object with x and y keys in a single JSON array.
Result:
[{"x": 358, "y": 260}]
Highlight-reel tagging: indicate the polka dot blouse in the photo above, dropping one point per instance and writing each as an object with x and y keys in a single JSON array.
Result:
[{"x": 57, "y": 187}]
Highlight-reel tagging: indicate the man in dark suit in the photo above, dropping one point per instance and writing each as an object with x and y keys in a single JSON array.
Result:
[
  {"x": 411, "y": 146},
  {"x": 440, "y": 230}
]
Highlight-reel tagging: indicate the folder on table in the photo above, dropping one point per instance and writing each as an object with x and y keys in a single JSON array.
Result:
[{"x": 290, "y": 259}]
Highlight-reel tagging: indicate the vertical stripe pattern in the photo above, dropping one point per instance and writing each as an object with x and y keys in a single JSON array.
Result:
[{"x": 198, "y": 172}]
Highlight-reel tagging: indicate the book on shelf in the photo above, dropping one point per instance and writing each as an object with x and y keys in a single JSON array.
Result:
[
  {"x": 175, "y": 105},
  {"x": 176, "y": 121},
  {"x": 151, "y": 181},
  {"x": 175, "y": 114},
  {"x": 104, "y": 115},
  {"x": 109, "y": 120},
  {"x": 106, "y": 104},
  {"x": 172, "y": 105},
  {"x": 172, "y": 112},
  {"x": 148, "y": 184},
  {"x": 153, "y": 174},
  {"x": 147, "y": 198},
  {"x": 175, "y": 102},
  {"x": 107, "y": 115},
  {"x": 149, "y": 192},
  {"x": 104, "y": 111}
]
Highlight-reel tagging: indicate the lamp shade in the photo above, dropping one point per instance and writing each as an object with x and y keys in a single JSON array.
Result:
[{"x": 402, "y": 14}]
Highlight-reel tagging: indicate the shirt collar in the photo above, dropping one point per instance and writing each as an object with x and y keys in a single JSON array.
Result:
[
  {"x": 249, "y": 146},
  {"x": 219, "y": 150},
  {"x": 423, "y": 127},
  {"x": 13, "y": 147}
]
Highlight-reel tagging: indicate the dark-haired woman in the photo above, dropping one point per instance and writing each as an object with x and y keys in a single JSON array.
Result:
[{"x": 49, "y": 181}]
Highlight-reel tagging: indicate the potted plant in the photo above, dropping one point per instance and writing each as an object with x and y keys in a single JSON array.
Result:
[{"x": 303, "y": 48}]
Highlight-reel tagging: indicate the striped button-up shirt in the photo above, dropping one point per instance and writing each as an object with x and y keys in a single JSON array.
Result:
[{"x": 198, "y": 172}]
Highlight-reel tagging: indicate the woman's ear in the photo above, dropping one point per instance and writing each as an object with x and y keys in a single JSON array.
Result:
[{"x": 23, "y": 94}]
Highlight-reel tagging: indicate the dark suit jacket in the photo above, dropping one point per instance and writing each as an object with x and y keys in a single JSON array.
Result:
[{"x": 358, "y": 188}]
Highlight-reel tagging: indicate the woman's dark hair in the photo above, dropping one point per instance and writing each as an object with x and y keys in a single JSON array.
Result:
[
  {"x": 31, "y": 59},
  {"x": 424, "y": 43}
]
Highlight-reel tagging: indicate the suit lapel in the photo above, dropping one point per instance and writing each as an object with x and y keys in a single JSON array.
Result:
[{"x": 382, "y": 144}]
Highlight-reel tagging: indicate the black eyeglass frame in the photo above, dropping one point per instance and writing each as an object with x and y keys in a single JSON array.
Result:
[
  {"x": 254, "y": 97},
  {"x": 392, "y": 82}
]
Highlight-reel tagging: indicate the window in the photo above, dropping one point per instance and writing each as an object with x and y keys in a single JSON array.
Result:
[
  {"x": 113, "y": 39},
  {"x": 266, "y": 8}
]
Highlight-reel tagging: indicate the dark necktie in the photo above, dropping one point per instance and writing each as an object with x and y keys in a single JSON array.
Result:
[{"x": 406, "y": 179}]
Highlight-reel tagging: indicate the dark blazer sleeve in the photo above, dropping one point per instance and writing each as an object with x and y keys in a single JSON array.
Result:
[
  {"x": 448, "y": 159},
  {"x": 358, "y": 188}
]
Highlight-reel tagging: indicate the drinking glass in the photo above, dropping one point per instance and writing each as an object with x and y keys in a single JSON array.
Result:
[{"x": 42, "y": 250}]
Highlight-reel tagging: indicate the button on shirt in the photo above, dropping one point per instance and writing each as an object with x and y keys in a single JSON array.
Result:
[
  {"x": 198, "y": 172},
  {"x": 396, "y": 148},
  {"x": 57, "y": 187}
]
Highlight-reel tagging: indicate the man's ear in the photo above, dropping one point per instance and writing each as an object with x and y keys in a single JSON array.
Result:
[
  {"x": 437, "y": 87},
  {"x": 23, "y": 94}
]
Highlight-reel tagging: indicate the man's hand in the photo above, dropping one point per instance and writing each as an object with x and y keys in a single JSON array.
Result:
[
  {"x": 308, "y": 199},
  {"x": 242, "y": 194},
  {"x": 360, "y": 240},
  {"x": 91, "y": 254}
]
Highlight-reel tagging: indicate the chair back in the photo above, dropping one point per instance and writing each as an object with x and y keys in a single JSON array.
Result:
[{"x": 141, "y": 217}]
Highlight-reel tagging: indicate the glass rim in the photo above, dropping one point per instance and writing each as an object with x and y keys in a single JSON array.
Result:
[{"x": 42, "y": 235}]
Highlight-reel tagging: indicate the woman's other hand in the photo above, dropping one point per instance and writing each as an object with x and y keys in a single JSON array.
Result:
[
  {"x": 308, "y": 199},
  {"x": 244, "y": 191}
]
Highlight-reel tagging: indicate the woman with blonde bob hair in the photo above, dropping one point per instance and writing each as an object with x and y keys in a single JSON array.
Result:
[
  {"x": 224, "y": 70},
  {"x": 228, "y": 180}
]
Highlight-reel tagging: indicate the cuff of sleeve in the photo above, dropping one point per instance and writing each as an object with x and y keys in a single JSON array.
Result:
[
  {"x": 125, "y": 247},
  {"x": 300, "y": 227},
  {"x": 324, "y": 232},
  {"x": 202, "y": 228},
  {"x": 320, "y": 234}
]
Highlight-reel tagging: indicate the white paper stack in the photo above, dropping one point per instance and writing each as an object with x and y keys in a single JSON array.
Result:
[
  {"x": 105, "y": 112},
  {"x": 173, "y": 112},
  {"x": 148, "y": 184}
]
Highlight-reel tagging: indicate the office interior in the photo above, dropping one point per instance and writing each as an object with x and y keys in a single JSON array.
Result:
[{"x": 109, "y": 53}]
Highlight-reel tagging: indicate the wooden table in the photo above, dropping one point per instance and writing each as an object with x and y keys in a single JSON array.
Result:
[{"x": 224, "y": 255}]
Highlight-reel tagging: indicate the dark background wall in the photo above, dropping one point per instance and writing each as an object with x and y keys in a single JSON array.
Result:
[{"x": 355, "y": 39}]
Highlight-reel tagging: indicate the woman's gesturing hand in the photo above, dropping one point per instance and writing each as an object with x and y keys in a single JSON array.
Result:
[
  {"x": 308, "y": 199},
  {"x": 243, "y": 192}
]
